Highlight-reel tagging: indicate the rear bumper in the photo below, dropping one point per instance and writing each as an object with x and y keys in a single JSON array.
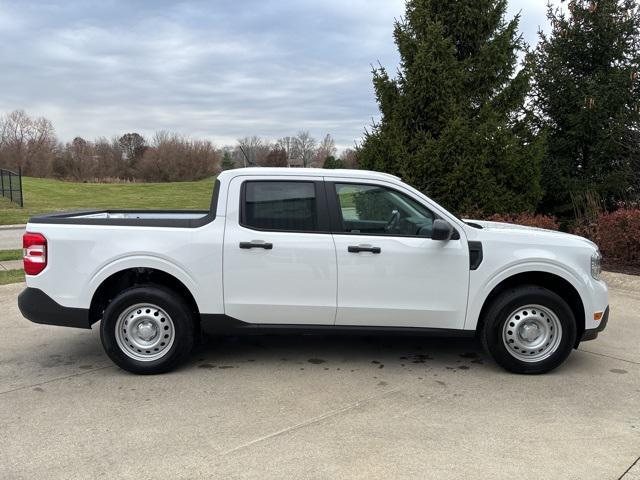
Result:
[
  {"x": 37, "y": 306},
  {"x": 592, "y": 333}
]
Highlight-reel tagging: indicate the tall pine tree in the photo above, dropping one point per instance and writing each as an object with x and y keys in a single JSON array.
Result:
[
  {"x": 453, "y": 120},
  {"x": 587, "y": 94}
]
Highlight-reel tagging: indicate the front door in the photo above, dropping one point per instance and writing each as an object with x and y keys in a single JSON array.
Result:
[
  {"x": 279, "y": 257},
  {"x": 390, "y": 272}
]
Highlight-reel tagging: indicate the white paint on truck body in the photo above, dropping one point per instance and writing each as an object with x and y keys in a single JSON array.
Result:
[{"x": 311, "y": 278}]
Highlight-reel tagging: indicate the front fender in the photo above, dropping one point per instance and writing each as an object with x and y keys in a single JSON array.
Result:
[{"x": 480, "y": 288}]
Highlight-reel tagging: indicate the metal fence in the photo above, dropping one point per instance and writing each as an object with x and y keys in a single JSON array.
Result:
[{"x": 11, "y": 186}]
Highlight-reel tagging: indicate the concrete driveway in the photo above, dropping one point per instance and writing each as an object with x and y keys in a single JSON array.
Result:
[
  {"x": 317, "y": 407},
  {"x": 11, "y": 237}
]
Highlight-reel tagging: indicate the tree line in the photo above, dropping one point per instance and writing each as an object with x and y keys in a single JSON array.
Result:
[
  {"x": 30, "y": 144},
  {"x": 487, "y": 125},
  {"x": 301, "y": 150},
  {"x": 477, "y": 119}
]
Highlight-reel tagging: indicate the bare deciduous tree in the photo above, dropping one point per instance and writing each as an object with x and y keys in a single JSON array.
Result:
[
  {"x": 326, "y": 148},
  {"x": 173, "y": 157},
  {"x": 349, "y": 158},
  {"x": 27, "y": 143},
  {"x": 290, "y": 147},
  {"x": 277, "y": 157},
  {"x": 133, "y": 146},
  {"x": 253, "y": 150},
  {"x": 306, "y": 147},
  {"x": 110, "y": 159}
]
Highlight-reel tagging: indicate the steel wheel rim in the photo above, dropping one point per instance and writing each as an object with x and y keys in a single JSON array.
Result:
[
  {"x": 532, "y": 333},
  {"x": 145, "y": 332}
]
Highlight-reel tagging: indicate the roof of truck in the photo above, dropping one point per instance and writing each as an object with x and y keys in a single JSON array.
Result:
[{"x": 308, "y": 172}]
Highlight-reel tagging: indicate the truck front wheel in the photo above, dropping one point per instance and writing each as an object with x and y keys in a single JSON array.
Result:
[
  {"x": 529, "y": 329},
  {"x": 147, "y": 329}
]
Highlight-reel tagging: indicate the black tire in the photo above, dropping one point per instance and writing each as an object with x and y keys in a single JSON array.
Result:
[
  {"x": 180, "y": 316},
  {"x": 499, "y": 312}
]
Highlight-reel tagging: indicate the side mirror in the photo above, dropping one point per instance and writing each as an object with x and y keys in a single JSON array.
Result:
[{"x": 441, "y": 230}]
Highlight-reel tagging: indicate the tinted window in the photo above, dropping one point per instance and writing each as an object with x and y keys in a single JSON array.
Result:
[
  {"x": 373, "y": 209},
  {"x": 289, "y": 206}
]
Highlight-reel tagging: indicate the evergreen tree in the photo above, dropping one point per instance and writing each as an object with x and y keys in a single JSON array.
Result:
[
  {"x": 227, "y": 161},
  {"x": 587, "y": 95},
  {"x": 453, "y": 120},
  {"x": 332, "y": 162}
]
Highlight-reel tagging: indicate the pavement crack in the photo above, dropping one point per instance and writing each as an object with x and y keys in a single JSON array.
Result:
[
  {"x": 629, "y": 469},
  {"x": 55, "y": 379},
  {"x": 311, "y": 421},
  {"x": 609, "y": 356}
]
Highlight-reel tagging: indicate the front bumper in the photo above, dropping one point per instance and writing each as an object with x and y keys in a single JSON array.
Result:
[
  {"x": 37, "y": 306},
  {"x": 592, "y": 333}
]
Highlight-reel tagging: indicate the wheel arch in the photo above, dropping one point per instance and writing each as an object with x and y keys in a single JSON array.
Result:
[
  {"x": 550, "y": 281},
  {"x": 115, "y": 283}
]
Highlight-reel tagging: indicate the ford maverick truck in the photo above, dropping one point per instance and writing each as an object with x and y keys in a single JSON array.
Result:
[{"x": 311, "y": 251}]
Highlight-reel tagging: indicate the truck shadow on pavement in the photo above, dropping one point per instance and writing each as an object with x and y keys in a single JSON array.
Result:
[
  {"x": 290, "y": 352},
  {"x": 337, "y": 352}
]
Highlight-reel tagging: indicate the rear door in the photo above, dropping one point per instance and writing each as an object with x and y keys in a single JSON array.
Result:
[
  {"x": 390, "y": 272},
  {"x": 279, "y": 257}
]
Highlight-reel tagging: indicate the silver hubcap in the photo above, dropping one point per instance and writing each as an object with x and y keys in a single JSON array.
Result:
[
  {"x": 532, "y": 333},
  {"x": 145, "y": 332}
]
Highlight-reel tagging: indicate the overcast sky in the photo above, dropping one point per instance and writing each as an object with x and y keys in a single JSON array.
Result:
[{"x": 218, "y": 70}]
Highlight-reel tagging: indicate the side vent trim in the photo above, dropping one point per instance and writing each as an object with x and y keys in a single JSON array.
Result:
[{"x": 475, "y": 254}]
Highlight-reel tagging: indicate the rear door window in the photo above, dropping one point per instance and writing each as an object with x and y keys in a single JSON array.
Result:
[{"x": 290, "y": 206}]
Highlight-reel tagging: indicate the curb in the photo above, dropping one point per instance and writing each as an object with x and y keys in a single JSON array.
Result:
[{"x": 13, "y": 227}]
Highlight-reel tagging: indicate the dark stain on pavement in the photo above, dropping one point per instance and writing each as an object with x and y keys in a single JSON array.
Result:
[
  {"x": 469, "y": 355},
  {"x": 421, "y": 358},
  {"x": 617, "y": 370},
  {"x": 316, "y": 361}
]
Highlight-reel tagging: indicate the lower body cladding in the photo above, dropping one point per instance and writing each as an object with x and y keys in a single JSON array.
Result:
[
  {"x": 592, "y": 333},
  {"x": 38, "y": 307}
]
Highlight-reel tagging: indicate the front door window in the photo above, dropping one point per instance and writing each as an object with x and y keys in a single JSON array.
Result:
[{"x": 377, "y": 210}]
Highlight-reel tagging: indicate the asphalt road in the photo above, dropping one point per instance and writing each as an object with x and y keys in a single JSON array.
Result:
[
  {"x": 317, "y": 407},
  {"x": 11, "y": 238}
]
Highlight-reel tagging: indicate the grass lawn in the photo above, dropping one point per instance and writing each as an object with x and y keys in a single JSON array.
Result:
[
  {"x": 11, "y": 276},
  {"x": 43, "y": 195},
  {"x": 6, "y": 255}
]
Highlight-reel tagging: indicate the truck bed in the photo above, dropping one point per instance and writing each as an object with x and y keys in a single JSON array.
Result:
[
  {"x": 143, "y": 218},
  {"x": 135, "y": 218}
]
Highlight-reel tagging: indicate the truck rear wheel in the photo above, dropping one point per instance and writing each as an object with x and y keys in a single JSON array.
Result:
[
  {"x": 147, "y": 329},
  {"x": 529, "y": 329}
]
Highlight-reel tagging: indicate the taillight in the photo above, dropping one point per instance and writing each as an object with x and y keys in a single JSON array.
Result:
[{"x": 34, "y": 254}]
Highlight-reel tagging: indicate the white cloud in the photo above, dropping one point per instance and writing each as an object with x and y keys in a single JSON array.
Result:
[{"x": 219, "y": 69}]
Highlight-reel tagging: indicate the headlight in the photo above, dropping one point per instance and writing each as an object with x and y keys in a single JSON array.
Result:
[{"x": 596, "y": 264}]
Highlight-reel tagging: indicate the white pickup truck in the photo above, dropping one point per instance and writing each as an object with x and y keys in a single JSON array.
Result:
[{"x": 311, "y": 251}]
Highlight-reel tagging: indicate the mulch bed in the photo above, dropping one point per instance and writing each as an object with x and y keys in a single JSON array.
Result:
[{"x": 612, "y": 266}]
